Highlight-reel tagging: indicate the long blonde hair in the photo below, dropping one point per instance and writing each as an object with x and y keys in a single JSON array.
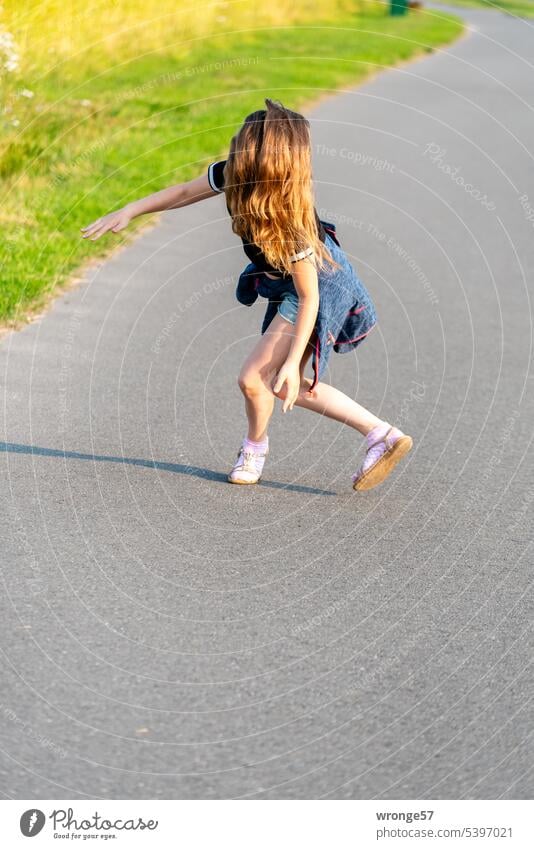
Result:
[{"x": 268, "y": 186}]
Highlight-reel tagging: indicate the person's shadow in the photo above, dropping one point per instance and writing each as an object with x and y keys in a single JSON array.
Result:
[{"x": 175, "y": 468}]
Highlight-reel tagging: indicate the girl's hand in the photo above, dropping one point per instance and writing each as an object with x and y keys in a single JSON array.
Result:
[
  {"x": 114, "y": 221},
  {"x": 289, "y": 375}
]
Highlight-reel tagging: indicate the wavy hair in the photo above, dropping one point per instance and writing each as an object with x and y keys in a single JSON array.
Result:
[{"x": 268, "y": 186}]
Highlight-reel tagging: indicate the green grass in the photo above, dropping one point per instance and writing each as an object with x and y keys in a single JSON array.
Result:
[
  {"x": 521, "y": 8},
  {"x": 130, "y": 97}
]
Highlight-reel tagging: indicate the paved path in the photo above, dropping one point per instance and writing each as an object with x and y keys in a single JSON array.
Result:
[{"x": 167, "y": 635}]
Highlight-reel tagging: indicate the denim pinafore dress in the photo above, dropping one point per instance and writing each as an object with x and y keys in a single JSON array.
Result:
[{"x": 346, "y": 310}]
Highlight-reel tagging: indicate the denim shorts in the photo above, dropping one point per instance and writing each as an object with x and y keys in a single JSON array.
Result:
[{"x": 288, "y": 307}]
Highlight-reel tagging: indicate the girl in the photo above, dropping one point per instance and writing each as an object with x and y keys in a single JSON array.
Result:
[{"x": 315, "y": 299}]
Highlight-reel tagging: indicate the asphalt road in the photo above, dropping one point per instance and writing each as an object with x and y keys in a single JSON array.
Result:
[{"x": 167, "y": 635}]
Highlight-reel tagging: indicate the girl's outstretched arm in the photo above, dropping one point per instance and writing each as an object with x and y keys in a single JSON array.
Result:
[{"x": 173, "y": 197}]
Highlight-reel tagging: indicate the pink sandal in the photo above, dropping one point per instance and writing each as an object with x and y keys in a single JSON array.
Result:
[{"x": 386, "y": 445}]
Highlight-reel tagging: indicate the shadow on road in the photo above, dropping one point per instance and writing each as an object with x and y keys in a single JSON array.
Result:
[{"x": 176, "y": 468}]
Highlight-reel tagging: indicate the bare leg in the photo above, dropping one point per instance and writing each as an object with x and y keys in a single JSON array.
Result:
[
  {"x": 257, "y": 376},
  {"x": 331, "y": 402},
  {"x": 258, "y": 373}
]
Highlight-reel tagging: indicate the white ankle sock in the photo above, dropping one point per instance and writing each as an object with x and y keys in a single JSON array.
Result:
[{"x": 256, "y": 446}]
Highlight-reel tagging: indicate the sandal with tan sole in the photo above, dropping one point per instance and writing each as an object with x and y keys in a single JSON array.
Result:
[{"x": 382, "y": 456}]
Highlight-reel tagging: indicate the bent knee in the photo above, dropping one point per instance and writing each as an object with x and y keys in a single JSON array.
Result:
[{"x": 251, "y": 384}]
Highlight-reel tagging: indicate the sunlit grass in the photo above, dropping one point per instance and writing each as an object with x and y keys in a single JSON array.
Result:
[
  {"x": 113, "y": 100},
  {"x": 521, "y": 8}
]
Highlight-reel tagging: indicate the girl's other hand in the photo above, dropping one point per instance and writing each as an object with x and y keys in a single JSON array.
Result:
[
  {"x": 114, "y": 221},
  {"x": 289, "y": 375}
]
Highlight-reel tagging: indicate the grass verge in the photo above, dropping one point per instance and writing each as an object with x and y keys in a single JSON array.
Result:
[
  {"x": 100, "y": 108},
  {"x": 520, "y": 8}
]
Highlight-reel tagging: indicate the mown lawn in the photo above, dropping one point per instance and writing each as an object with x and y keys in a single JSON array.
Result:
[
  {"x": 521, "y": 8},
  {"x": 112, "y": 101}
]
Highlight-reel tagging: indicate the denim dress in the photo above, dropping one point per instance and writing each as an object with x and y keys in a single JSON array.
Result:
[{"x": 346, "y": 310}]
